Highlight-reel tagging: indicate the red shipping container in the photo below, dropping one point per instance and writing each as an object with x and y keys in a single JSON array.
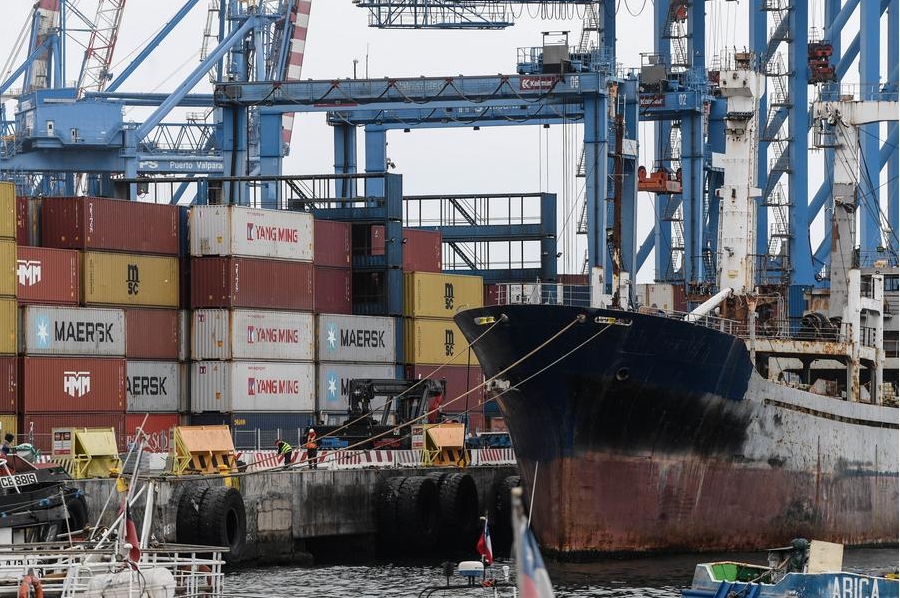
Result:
[
  {"x": 331, "y": 244},
  {"x": 37, "y": 428},
  {"x": 492, "y": 294},
  {"x": 377, "y": 239},
  {"x": 112, "y": 224},
  {"x": 28, "y": 220},
  {"x": 246, "y": 282},
  {"x": 334, "y": 291},
  {"x": 459, "y": 379},
  {"x": 9, "y": 377},
  {"x": 574, "y": 279},
  {"x": 48, "y": 276},
  {"x": 151, "y": 334},
  {"x": 421, "y": 250},
  {"x": 71, "y": 384},
  {"x": 157, "y": 427}
]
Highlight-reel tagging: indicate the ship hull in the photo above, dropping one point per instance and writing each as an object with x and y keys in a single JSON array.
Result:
[{"x": 655, "y": 435}]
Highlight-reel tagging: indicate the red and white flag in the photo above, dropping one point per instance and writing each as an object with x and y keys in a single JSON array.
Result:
[
  {"x": 131, "y": 536},
  {"x": 484, "y": 544}
]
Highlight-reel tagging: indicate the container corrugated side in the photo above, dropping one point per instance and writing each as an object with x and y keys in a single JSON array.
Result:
[
  {"x": 48, "y": 276},
  {"x": 153, "y": 386},
  {"x": 334, "y": 381},
  {"x": 152, "y": 333},
  {"x": 429, "y": 295},
  {"x": 435, "y": 341},
  {"x": 348, "y": 338},
  {"x": 157, "y": 427},
  {"x": 9, "y": 327},
  {"x": 184, "y": 335},
  {"x": 252, "y": 283},
  {"x": 7, "y": 210},
  {"x": 230, "y": 386},
  {"x": 253, "y": 335},
  {"x": 9, "y": 385},
  {"x": 37, "y": 428},
  {"x": 334, "y": 290},
  {"x": 28, "y": 220},
  {"x": 129, "y": 279},
  {"x": 251, "y": 232},
  {"x": 71, "y": 384},
  {"x": 94, "y": 331},
  {"x": 333, "y": 244},
  {"x": 464, "y": 384},
  {"x": 91, "y": 223},
  {"x": 421, "y": 250},
  {"x": 7, "y": 268}
]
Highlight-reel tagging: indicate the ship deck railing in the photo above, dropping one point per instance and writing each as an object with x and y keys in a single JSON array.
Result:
[
  {"x": 787, "y": 329},
  {"x": 66, "y": 570}
]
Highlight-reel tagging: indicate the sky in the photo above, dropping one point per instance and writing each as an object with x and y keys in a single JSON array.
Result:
[{"x": 511, "y": 159}]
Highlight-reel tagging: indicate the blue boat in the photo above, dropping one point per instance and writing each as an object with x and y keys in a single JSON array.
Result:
[{"x": 796, "y": 571}]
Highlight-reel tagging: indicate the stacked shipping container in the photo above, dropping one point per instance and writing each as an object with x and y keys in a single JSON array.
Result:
[
  {"x": 73, "y": 369},
  {"x": 8, "y": 315},
  {"x": 252, "y": 329},
  {"x": 432, "y": 339},
  {"x": 333, "y": 276}
]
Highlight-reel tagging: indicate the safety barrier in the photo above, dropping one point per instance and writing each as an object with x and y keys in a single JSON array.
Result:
[{"x": 363, "y": 459}]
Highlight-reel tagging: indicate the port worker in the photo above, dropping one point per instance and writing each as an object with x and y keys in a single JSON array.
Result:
[
  {"x": 311, "y": 449},
  {"x": 285, "y": 452}
]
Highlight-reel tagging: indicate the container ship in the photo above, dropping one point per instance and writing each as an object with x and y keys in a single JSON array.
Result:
[{"x": 731, "y": 427}]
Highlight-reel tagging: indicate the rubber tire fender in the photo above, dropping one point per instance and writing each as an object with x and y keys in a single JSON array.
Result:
[
  {"x": 78, "y": 513},
  {"x": 223, "y": 521},
  {"x": 388, "y": 523},
  {"x": 187, "y": 518},
  {"x": 417, "y": 512},
  {"x": 458, "y": 500},
  {"x": 501, "y": 515}
]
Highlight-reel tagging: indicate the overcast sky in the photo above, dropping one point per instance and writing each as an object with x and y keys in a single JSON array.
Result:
[{"x": 491, "y": 160}]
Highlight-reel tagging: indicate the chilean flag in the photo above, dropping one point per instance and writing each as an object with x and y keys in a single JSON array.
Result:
[
  {"x": 484, "y": 544},
  {"x": 534, "y": 582}
]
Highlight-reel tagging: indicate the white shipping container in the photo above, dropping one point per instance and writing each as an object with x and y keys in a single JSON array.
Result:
[
  {"x": 235, "y": 386},
  {"x": 347, "y": 338},
  {"x": 153, "y": 386},
  {"x": 98, "y": 332},
  {"x": 252, "y": 334},
  {"x": 184, "y": 335},
  {"x": 251, "y": 232},
  {"x": 661, "y": 296},
  {"x": 334, "y": 381}
]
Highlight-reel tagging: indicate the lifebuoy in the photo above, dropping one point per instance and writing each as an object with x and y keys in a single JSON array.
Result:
[{"x": 31, "y": 583}]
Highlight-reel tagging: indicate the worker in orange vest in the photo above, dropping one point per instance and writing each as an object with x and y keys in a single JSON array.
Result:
[{"x": 311, "y": 449}]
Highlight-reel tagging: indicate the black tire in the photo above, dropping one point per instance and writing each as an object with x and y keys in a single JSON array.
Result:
[
  {"x": 388, "y": 524},
  {"x": 417, "y": 512},
  {"x": 78, "y": 514},
  {"x": 501, "y": 515},
  {"x": 458, "y": 505},
  {"x": 187, "y": 518},
  {"x": 223, "y": 521}
]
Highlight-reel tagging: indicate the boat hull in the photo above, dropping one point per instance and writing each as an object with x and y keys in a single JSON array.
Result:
[{"x": 653, "y": 435}]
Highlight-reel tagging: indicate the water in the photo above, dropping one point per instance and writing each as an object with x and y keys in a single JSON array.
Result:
[{"x": 662, "y": 577}]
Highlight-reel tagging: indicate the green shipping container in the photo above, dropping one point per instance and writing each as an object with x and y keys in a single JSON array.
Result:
[
  {"x": 129, "y": 279},
  {"x": 431, "y": 295}
]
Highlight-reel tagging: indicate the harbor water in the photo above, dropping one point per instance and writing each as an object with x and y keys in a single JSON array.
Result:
[{"x": 662, "y": 577}]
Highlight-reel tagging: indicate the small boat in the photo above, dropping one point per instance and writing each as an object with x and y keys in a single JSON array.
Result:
[{"x": 802, "y": 570}]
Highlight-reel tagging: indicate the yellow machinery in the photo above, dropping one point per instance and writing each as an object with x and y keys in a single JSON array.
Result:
[
  {"x": 445, "y": 445},
  {"x": 203, "y": 449},
  {"x": 86, "y": 452}
]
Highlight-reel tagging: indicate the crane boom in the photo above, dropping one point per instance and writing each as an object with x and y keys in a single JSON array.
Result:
[
  {"x": 299, "y": 25},
  {"x": 98, "y": 55},
  {"x": 45, "y": 22}
]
